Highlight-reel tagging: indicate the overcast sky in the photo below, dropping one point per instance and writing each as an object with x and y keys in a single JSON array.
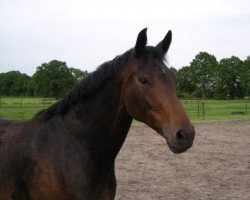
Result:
[{"x": 85, "y": 33}]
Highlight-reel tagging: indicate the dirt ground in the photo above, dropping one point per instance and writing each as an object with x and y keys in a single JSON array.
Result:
[{"x": 216, "y": 167}]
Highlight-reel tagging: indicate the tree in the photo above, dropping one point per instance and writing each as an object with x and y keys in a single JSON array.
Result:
[
  {"x": 78, "y": 74},
  {"x": 245, "y": 76},
  {"x": 248, "y": 57},
  {"x": 184, "y": 82},
  {"x": 203, "y": 72},
  {"x": 52, "y": 79},
  {"x": 229, "y": 83},
  {"x": 14, "y": 83}
]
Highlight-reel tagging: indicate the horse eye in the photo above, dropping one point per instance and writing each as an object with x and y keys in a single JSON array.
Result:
[{"x": 144, "y": 81}]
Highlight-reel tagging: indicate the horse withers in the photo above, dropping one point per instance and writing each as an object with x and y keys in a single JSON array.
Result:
[{"x": 68, "y": 150}]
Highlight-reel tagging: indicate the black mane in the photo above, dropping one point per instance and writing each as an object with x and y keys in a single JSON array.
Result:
[{"x": 95, "y": 80}]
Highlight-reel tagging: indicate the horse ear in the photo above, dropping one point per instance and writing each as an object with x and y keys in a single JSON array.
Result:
[
  {"x": 141, "y": 42},
  {"x": 165, "y": 43}
]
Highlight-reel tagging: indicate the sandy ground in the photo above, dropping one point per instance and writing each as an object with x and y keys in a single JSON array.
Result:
[{"x": 216, "y": 167}]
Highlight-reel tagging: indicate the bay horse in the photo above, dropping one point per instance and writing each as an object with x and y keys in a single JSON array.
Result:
[{"x": 68, "y": 151}]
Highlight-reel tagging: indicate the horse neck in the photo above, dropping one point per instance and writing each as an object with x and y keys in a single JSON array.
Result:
[{"x": 101, "y": 121}]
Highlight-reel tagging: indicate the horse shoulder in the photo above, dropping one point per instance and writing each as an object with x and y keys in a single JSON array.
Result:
[{"x": 46, "y": 182}]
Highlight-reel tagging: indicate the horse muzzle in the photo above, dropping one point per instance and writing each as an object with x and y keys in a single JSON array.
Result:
[{"x": 181, "y": 140}]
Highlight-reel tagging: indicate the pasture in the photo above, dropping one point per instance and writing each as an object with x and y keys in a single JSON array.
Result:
[
  {"x": 26, "y": 107},
  {"x": 216, "y": 167},
  {"x": 23, "y": 108}
]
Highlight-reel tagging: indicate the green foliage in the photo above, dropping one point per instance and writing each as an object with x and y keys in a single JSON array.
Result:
[
  {"x": 184, "y": 82},
  {"x": 245, "y": 76},
  {"x": 229, "y": 83},
  {"x": 14, "y": 83},
  {"x": 51, "y": 79},
  {"x": 206, "y": 78},
  {"x": 54, "y": 79},
  {"x": 78, "y": 74},
  {"x": 203, "y": 72}
]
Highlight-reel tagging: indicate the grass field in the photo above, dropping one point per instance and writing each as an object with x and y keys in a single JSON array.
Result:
[
  {"x": 26, "y": 107},
  {"x": 23, "y": 108},
  {"x": 217, "y": 109}
]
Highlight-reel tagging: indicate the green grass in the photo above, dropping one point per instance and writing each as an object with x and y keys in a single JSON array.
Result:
[
  {"x": 26, "y": 107},
  {"x": 217, "y": 109},
  {"x": 23, "y": 108}
]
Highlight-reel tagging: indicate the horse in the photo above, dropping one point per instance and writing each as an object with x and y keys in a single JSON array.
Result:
[{"x": 68, "y": 151}]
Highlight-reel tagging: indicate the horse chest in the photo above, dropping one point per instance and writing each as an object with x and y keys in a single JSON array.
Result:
[{"x": 51, "y": 182}]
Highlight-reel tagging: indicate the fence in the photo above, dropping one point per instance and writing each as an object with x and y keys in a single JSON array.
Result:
[
  {"x": 25, "y": 108},
  {"x": 216, "y": 109}
]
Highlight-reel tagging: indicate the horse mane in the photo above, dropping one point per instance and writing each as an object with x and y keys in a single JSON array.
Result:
[{"x": 95, "y": 81}]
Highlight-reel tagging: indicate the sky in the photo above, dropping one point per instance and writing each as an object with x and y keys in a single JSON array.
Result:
[{"x": 86, "y": 33}]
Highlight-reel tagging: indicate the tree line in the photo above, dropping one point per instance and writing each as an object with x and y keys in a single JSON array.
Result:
[
  {"x": 205, "y": 77},
  {"x": 51, "y": 79}
]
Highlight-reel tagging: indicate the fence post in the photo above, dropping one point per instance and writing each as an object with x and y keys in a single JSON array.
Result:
[
  {"x": 203, "y": 110},
  {"x": 198, "y": 108},
  {"x": 246, "y": 107}
]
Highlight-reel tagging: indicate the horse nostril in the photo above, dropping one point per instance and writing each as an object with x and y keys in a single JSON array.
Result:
[
  {"x": 181, "y": 136},
  {"x": 185, "y": 137}
]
